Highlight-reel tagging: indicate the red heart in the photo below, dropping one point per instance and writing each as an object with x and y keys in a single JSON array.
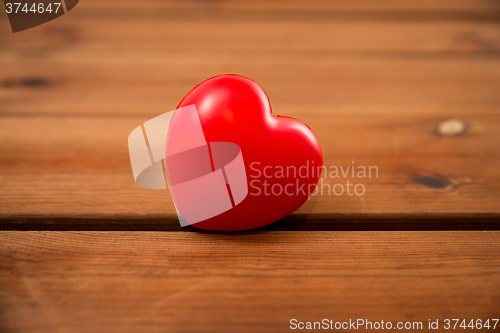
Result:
[{"x": 236, "y": 109}]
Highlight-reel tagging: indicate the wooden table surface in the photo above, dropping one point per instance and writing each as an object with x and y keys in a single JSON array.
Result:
[{"x": 373, "y": 79}]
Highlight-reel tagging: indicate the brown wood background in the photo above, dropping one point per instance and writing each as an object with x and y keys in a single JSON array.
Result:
[{"x": 373, "y": 79}]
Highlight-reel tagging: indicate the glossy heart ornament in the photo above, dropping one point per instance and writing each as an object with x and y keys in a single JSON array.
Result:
[{"x": 279, "y": 157}]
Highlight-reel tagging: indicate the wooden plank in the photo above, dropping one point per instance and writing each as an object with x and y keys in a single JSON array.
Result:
[
  {"x": 193, "y": 282},
  {"x": 114, "y": 82},
  {"x": 52, "y": 173},
  {"x": 407, "y": 5},
  {"x": 315, "y": 6},
  {"x": 372, "y": 87},
  {"x": 219, "y": 34}
]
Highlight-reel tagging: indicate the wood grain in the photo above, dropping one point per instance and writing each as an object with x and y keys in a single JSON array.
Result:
[
  {"x": 194, "y": 282},
  {"x": 372, "y": 79},
  {"x": 73, "y": 183}
]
